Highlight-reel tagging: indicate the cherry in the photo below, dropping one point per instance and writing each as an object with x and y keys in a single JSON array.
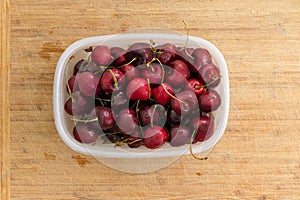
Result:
[
  {"x": 127, "y": 121},
  {"x": 179, "y": 135},
  {"x": 179, "y": 74},
  {"x": 173, "y": 117},
  {"x": 168, "y": 53},
  {"x": 80, "y": 66},
  {"x": 186, "y": 55},
  {"x": 101, "y": 55},
  {"x": 78, "y": 104},
  {"x": 155, "y": 137},
  {"x": 84, "y": 134},
  {"x": 210, "y": 75},
  {"x": 154, "y": 73},
  {"x": 142, "y": 50},
  {"x": 204, "y": 127},
  {"x": 138, "y": 89},
  {"x": 73, "y": 83},
  {"x": 162, "y": 93},
  {"x": 209, "y": 101},
  {"x": 130, "y": 71},
  {"x": 196, "y": 86},
  {"x": 149, "y": 114},
  {"x": 111, "y": 80},
  {"x": 105, "y": 117},
  {"x": 119, "y": 55},
  {"x": 185, "y": 102},
  {"x": 88, "y": 84},
  {"x": 202, "y": 57}
]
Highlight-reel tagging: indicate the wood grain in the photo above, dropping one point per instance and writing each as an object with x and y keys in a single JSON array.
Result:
[
  {"x": 258, "y": 156},
  {"x": 4, "y": 100}
]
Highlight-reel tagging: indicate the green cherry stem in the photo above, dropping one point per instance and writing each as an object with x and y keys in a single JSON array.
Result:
[
  {"x": 164, "y": 87},
  {"x": 186, "y": 41},
  {"x": 191, "y": 151},
  {"x": 84, "y": 120},
  {"x": 207, "y": 85},
  {"x": 114, "y": 77},
  {"x": 134, "y": 59},
  {"x": 149, "y": 88}
]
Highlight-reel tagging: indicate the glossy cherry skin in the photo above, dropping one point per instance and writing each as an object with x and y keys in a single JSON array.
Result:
[
  {"x": 173, "y": 117},
  {"x": 130, "y": 71},
  {"x": 189, "y": 98},
  {"x": 127, "y": 121},
  {"x": 179, "y": 73},
  {"x": 89, "y": 84},
  {"x": 168, "y": 53},
  {"x": 142, "y": 50},
  {"x": 204, "y": 127},
  {"x": 202, "y": 57},
  {"x": 154, "y": 73},
  {"x": 73, "y": 83},
  {"x": 149, "y": 113},
  {"x": 84, "y": 134},
  {"x": 79, "y": 105},
  {"x": 210, "y": 75},
  {"x": 196, "y": 86},
  {"x": 112, "y": 79},
  {"x": 155, "y": 137},
  {"x": 160, "y": 94},
  {"x": 186, "y": 56},
  {"x": 179, "y": 135},
  {"x": 105, "y": 118},
  {"x": 209, "y": 101},
  {"x": 119, "y": 55},
  {"x": 101, "y": 55},
  {"x": 138, "y": 89}
]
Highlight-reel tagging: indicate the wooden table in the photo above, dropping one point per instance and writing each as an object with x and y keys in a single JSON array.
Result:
[{"x": 257, "y": 158}]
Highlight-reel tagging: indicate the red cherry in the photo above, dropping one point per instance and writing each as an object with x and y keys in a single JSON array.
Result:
[
  {"x": 101, "y": 55},
  {"x": 88, "y": 84},
  {"x": 155, "y": 137},
  {"x": 185, "y": 102},
  {"x": 84, "y": 134},
  {"x": 79, "y": 105},
  {"x": 127, "y": 121},
  {"x": 160, "y": 94},
  {"x": 210, "y": 75},
  {"x": 168, "y": 53},
  {"x": 202, "y": 57},
  {"x": 204, "y": 127},
  {"x": 138, "y": 89},
  {"x": 119, "y": 55},
  {"x": 209, "y": 101},
  {"x": 196, "y": 86},
  {"x": 130, "y": 71},
  {"x": 112, "y": 79},
  {"x": 179, "y": 135},
  {"x": 154, "y": 73},
  {"x": 179, "y": 73}
]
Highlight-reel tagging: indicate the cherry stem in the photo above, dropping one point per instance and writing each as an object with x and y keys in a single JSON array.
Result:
[
  {"x": 134, "y": 141},
  {"x": 207, "y": 85},
  {"x": 68, "y": 86},
  {"x": 114, "y": 77},
  {"x": 89, "y": 60},
  {"x": 84, "y": 120},
  {"x": 149, "y": 88},
  {"x": 134, "y": 59},
  {"x": 137, "y": 115},
  {"x": 152, "y": 114},
  {"x": 102, "y": 99},
  {"x": 112, "y": 133},
  {"x": 191, "y": 151},
  {"x": 186, "y": 41},
  {"x": 164, "y": 87}
]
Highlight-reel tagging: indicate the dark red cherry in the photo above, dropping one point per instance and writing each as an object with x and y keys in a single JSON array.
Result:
[
  {"x": 160, "y": 94},
  {"x": 168, "y": 53},
  {"x": 112, "y": 79},
  {"x": 185, "y": 102},
  {"x": 210, "y": 75},
  {"x": 80, "y": 66},
  {"x": 73, "y": 83},
  {"x": 127, "y": 121},
  {"x": 134, "y": 142},
  {"x": 105, "y": 118},
  {"x": 84, "y": 134},
  {"x": 142, "y": 50},
  {"x": 88, "y": 84},
  {"x": 179, "y": 135},
  {"x": 138, "y": 89},
  {"x": 79, "y": 105},
  {"x": 148, "y": 114},
  {"x": 101, "y": 55},
  {"x": 173, "y": 117},
  {"x": 130, "y": 71},
  {"x": 196, "y": 86},
  {"x": 202, "y": 57},
  {"x": 179, "y": 73},
  {"x": 209, "y": 101},
  {"x": 119, "y": 55},
  {"x": 204, "y": 127},
  {"x": 155, "y": 137},
  {"x": 154, "y": 73}
]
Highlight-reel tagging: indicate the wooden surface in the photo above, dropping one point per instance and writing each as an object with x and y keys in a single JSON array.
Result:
[{"x": 257, "y": 158}]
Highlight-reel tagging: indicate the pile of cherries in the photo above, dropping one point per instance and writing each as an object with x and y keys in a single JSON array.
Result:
[{"x": 146, "y": 95}]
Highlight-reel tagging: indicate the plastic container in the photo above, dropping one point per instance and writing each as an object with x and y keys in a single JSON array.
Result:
[{"x": 107, "y": 153}]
